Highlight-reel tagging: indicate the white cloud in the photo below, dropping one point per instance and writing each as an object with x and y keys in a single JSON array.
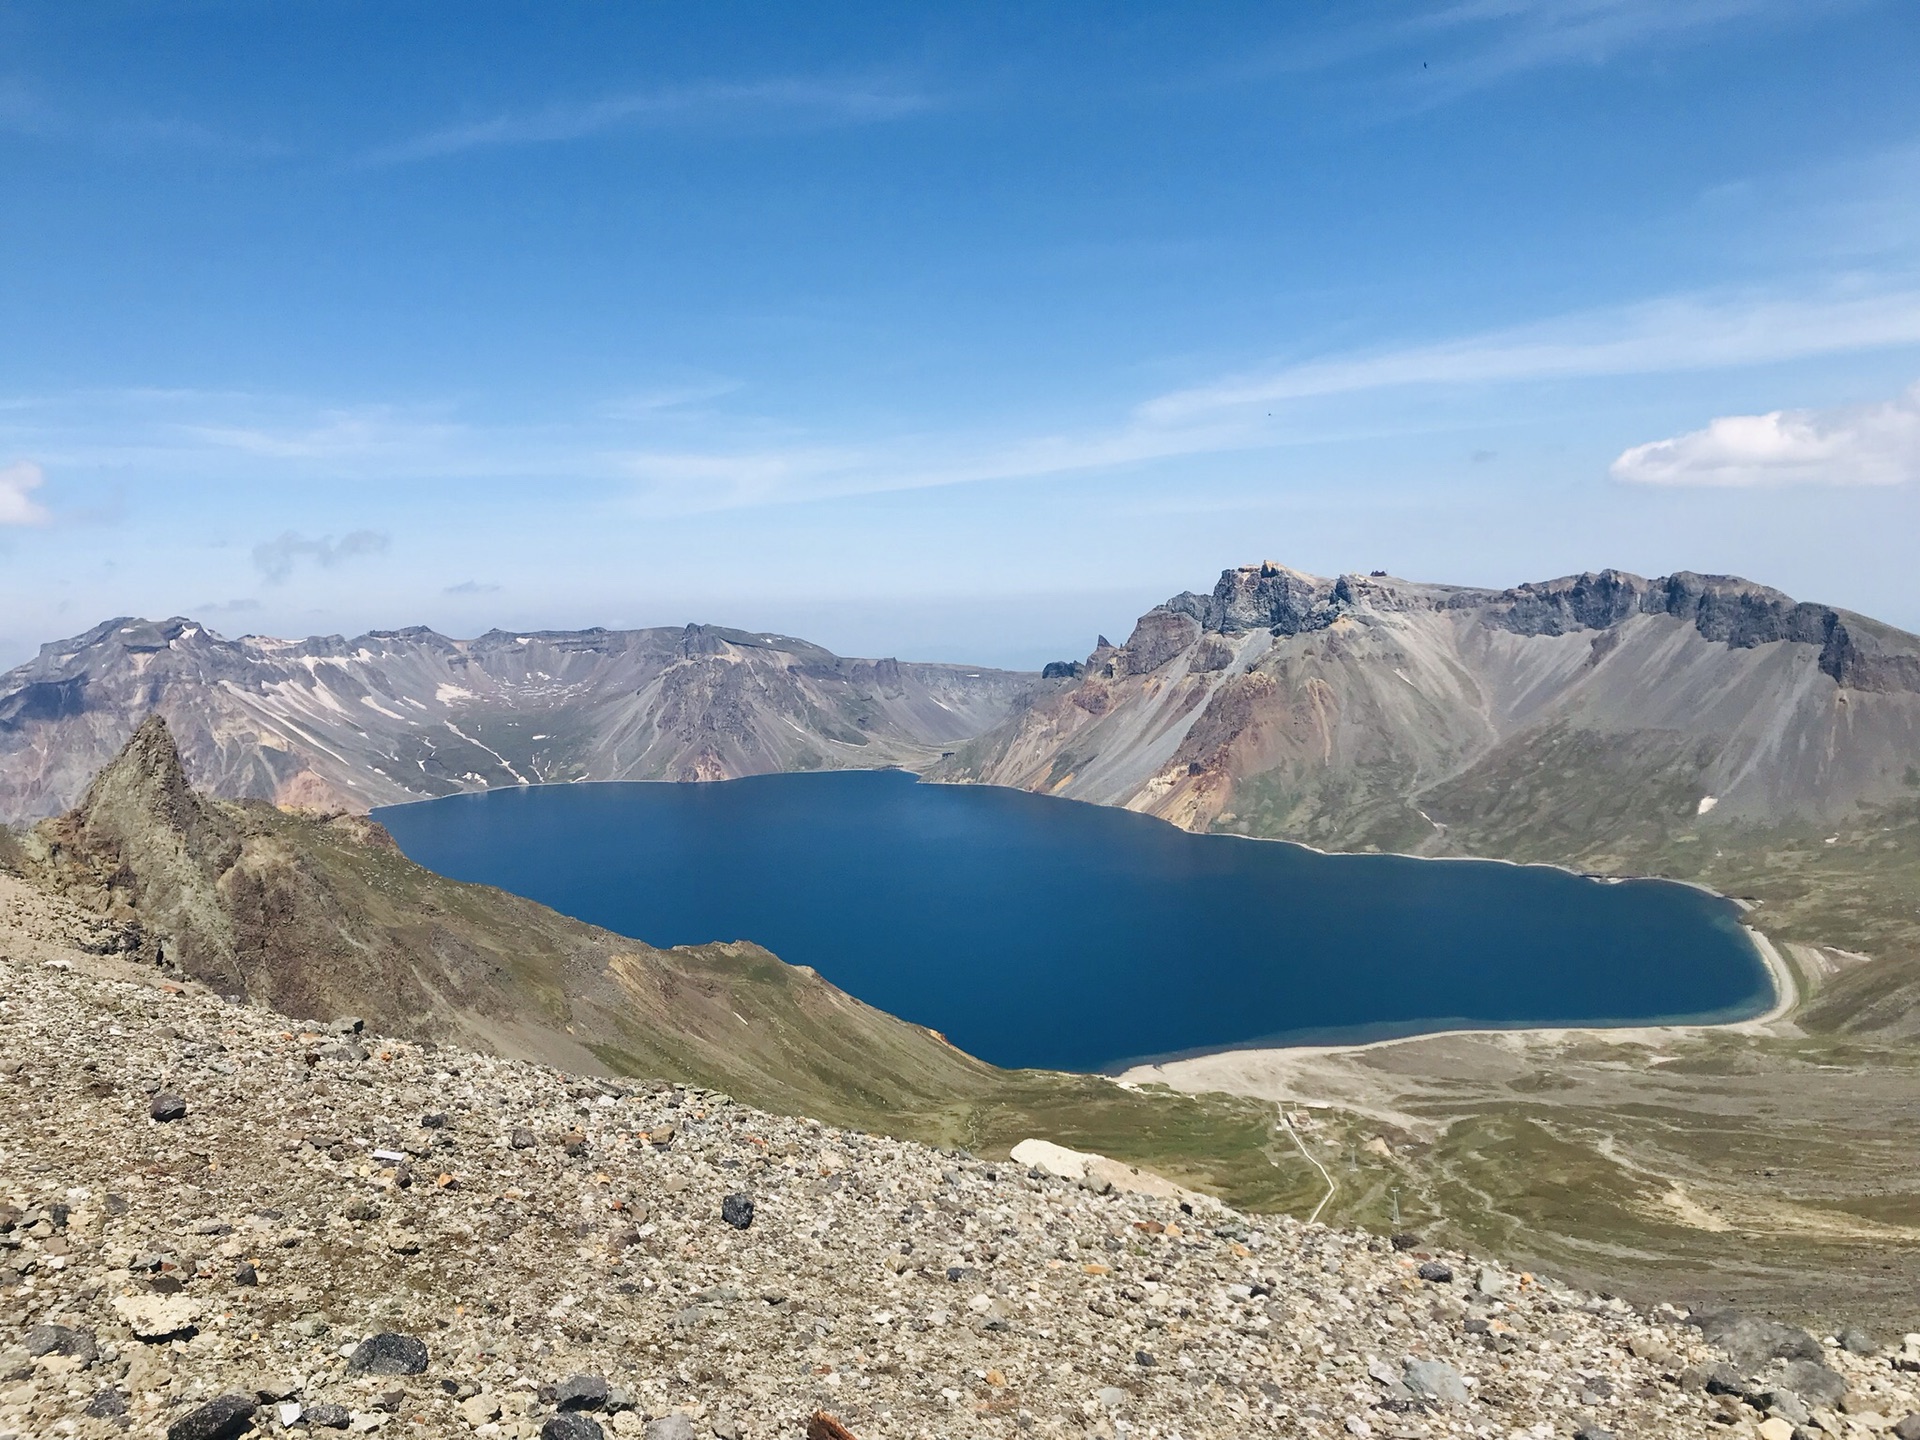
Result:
[
  {"x": 376, "y": 432},
  {"x": 1519, "y": 35},
  {"x": 684, "y": 105},
  {"x": 17, "y": 506},
  {"x": 1422, "y": 55},
  {"x": 1658, "y": 337},
  {"x": 1853, "y": 445}
]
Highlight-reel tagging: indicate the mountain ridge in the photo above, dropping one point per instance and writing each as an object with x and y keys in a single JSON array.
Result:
[
  {"x": 1356, "y": 696},
  {"x": 331, "y": 722}
]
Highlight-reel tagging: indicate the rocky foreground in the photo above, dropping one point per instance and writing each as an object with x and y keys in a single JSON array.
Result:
[{"x": 214, "y": 1221}]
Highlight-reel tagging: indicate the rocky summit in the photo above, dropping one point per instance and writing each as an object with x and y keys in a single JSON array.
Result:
[{"x": 340, "y": 1232}]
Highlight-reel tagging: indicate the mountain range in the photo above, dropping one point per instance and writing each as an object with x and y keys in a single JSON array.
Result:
[
  {"x": 347, "y": 724},
  {"x": 1697, "y": 726}
]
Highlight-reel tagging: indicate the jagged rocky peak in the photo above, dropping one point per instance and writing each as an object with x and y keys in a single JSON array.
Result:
[
  {"x": 145, "y": 784},
  {"x": 1261, "y": 597}
]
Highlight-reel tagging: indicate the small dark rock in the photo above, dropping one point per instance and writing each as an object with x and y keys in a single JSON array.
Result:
[
  {"x": 1406, "y": 1242},
  {"x": 1436, "y": 1273},
  {"x": 389, "y": 1354},
  {"x": 168, "y": 1106},
  {"x": 1813, "y": 1382},
  {"x": 1144, "y": 1359},
  {"x": 737, "y": 1210},
  {"x": 220, "y": 1419},
  {"x": 61, "y": 1340},
  {"x": 1592, "y": 1432},
  {"x": 106, "y": 1404},
  {"x": 1723, "y": 1379},
  {"x": 329, "y": 1417},
  {"x": 434, "y": 1122},
  {"x": 571, "y": 1425},
  {"x": 581, "y": 1392},
  {"x": 522, "y": 1139},
  {"x": 1784, "y": 1403},
  {"x": 1751, "y": 1343},
  {"x": 245, "y": 1274},
  {"x": 1908, "y": 1428}
]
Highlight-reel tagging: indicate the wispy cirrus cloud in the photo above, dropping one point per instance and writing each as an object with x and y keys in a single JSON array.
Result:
[
  {"x": 1676, "y": 334},
  {"x": 1498, "y": 38},
  {"x": 792, "y": 101},
  {"x": 1426, "y": 54},
  {"x": 25, "y": 111},
  {"x": 17, "y": 484},
  {"x": 1848, "y": 445},
  {"x": 357, "y": 434},
  {"x": 673, "y": 454}
]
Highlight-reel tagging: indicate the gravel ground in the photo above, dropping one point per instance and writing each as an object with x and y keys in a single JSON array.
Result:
[{"x": 540, "y": 1253}]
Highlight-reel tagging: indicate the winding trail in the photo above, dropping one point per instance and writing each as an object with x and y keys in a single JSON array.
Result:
[{"x": 1325, "y": 1175}]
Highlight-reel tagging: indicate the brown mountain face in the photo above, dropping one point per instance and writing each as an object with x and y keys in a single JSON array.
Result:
[
  {"x": 334, "y": 724},
  {"x": 1368, "y": 711}
]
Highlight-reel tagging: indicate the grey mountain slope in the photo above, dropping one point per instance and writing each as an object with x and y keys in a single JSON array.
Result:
[
  {"x": 1332, "y": 710},
  {"x": 392, "y": 716}
]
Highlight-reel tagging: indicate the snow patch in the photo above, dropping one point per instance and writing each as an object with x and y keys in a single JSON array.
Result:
[
  {"x": 447, "y": 694},
  {"x": 1707, "y": 802}
]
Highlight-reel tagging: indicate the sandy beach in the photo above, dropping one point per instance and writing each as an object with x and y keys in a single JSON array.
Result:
[{"x": 1313, "y": 1073}]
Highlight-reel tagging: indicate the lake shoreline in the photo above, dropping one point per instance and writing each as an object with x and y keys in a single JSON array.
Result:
[
  {"x": 1214, "y": 1070},
  {"x": 1305, "y": 1023}
]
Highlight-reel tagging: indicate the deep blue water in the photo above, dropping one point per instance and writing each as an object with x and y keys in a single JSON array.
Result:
[{"x": 1035, "y": 931}]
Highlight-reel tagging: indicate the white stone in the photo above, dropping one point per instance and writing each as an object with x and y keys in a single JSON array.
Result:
[{"x": 155, "y": 1317}]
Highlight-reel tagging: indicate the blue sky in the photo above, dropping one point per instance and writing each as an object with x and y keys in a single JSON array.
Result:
[{"x": 943, "y": 331}]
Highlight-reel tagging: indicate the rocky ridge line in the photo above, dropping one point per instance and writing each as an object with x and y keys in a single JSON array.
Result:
[{"x": 1854, "y": 651}]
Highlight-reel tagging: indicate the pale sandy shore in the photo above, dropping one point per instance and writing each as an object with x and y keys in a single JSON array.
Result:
[{"x": 1314, "y": 1072}]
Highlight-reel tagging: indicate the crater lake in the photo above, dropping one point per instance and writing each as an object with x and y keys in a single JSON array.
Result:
[{"x": 1042, "y": 932}]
